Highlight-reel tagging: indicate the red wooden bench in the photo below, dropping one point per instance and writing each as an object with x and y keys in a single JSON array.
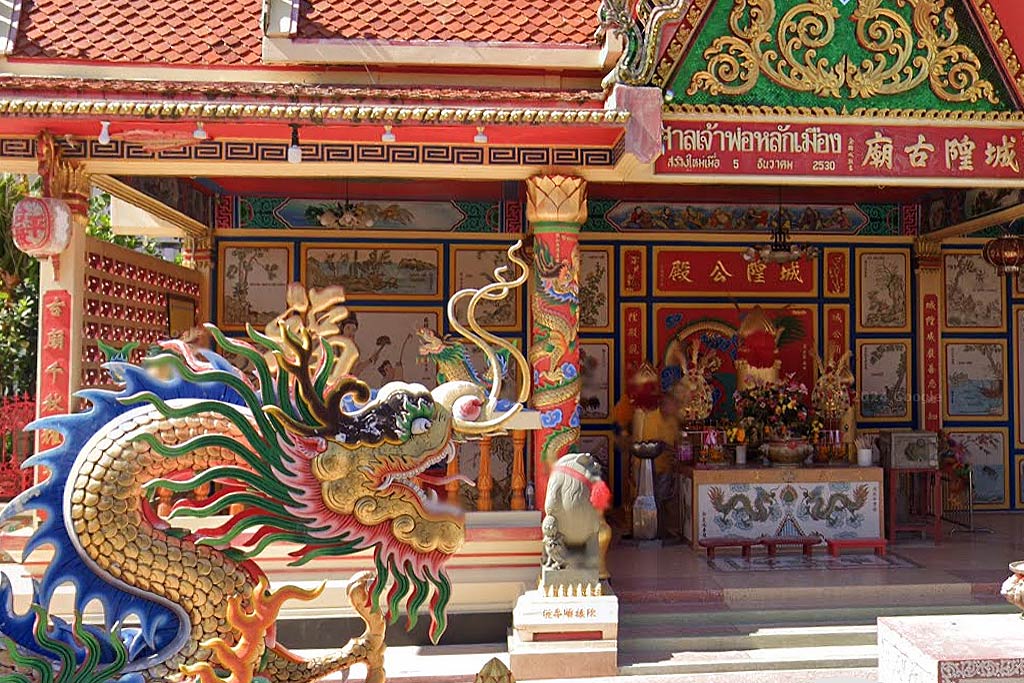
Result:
[
  {"x": 773, "y": 542},
  {"x": 712, "y": 544},
  {"x": 836, "y": 545}
]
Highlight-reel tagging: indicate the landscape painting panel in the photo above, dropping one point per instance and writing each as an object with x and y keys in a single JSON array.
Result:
[
  {"x": 255, "y": 284},
  {"x": 375, "y": 273},
  {"x": 974, "y": 380},
  {"x": 987, "y": 454},
  {"x": 595, "y": 369},
  {"x": 884, "y": 291},
  {"x": 974, "y": 293},
  {"x": 883, "y": 380},
  {"x": 474, "y": 267}
]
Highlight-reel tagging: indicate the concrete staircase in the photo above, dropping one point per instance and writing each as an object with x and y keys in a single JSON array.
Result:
[{"x": 680, "y": 639}]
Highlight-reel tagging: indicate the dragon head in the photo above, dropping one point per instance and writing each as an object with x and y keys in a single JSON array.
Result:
[{"x": 430, "y": 343}]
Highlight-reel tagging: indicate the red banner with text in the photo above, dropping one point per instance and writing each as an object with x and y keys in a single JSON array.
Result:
[
  {"x": 853, "y": 150},
  {"x": 930, "y": 352},
  {"x": 55, "y": 362},
  {"x": 721, "y": 271}
]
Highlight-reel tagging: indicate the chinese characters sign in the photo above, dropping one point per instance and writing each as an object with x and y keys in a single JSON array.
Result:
[
  {"x": 55, "y": 382},
  {"x": 842, "y": 150},
  {"x": 716, "y": 271},
  {"x": 634, "y": 336},
  {"x": 930, "y": 348},
  {"x": 837, "y": 329},
  {"x": 634, "y": 271}
]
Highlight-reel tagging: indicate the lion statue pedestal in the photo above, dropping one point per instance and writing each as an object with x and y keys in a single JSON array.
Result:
[{"x": 572, "y": 611}]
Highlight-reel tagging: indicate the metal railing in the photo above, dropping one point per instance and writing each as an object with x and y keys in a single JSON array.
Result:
[{"x": 958, "y": 503}]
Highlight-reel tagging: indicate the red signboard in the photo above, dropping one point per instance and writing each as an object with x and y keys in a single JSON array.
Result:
[
  {"x": 55, "y": 357},
  {"x": 837, "y": 331},
  {"x": 837, "y": 272},
  {"x": 851, "y": 150},
  {"x": 721, "y": 271},
  {"x": 634, "y": 336},
  {"x": 930, "y": 353},
  {"x": 634, "y": 274}
]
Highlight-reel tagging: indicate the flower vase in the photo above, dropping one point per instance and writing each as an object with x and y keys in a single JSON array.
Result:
[{"x": 741, "y": 454}]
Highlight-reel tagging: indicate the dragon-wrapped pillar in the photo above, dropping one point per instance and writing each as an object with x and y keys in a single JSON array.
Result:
[{"x": 556, "y": 208}]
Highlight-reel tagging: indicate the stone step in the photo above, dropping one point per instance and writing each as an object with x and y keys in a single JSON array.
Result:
[
  {"x": 742, "y": 639},
  {"x": 770, "y": 659},
  {"x": 838, "y": 675},
  {"x": 689, "y": 617}
]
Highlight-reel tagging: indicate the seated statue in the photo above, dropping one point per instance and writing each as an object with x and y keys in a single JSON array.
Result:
[{"x": 573, "y": 510}]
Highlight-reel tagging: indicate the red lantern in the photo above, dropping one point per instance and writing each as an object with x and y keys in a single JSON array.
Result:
[
  {"x": 1006, "y": 253},
  {"x": 41, "y": 227}
]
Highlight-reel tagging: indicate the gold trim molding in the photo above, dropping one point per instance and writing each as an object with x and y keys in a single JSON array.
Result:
[
  {"x": 874, "y": 113},
  {"x": 1005, "y": 51},
  {"x": 173, "y": 110},
  {"x": 190, "y": 226},
  {"x": 892, "y": 62}
]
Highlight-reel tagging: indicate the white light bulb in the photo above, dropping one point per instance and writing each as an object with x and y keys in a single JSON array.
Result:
[
  {"x": 481, "y": 137},
  {"x": 104, "y": 136},
  {"x": 387, "y": 135},
  {"x": 200, "y": 133}
]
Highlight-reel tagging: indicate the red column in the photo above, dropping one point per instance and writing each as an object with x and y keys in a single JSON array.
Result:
[{"x": 556, "y": 208}]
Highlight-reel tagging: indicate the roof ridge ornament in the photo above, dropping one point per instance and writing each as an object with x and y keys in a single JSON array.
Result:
[{"x": 640, "y": 25}]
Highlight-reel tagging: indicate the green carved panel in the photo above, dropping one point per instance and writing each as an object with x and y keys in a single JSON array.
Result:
[
  {"x": 597, "y": 212},
  {"x": 480, "y": 217},
  {"x": 258, "y": 212},
  {"x": 844, "y": 54}
]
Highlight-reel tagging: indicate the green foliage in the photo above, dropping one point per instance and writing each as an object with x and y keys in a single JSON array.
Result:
[{"x": 19, "y": 283}]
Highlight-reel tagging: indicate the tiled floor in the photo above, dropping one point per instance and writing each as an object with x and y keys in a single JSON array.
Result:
[{"x": 679, "y": 573}]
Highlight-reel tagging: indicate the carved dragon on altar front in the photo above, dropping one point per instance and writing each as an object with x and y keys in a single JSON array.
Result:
[{"x": 312, "y": 456}]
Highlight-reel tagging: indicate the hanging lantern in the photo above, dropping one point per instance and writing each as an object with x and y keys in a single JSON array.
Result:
[
  {"x": 41, "y": 227},
  {"x": 1006, "y": 254}
]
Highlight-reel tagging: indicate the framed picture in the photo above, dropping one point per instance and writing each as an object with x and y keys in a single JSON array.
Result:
[
  {"x": 883, "y": 290},
  {"x": 181, "y": 315},
  {"x": 375, "y": 272},
  {"x": 474, "y": 266},
  {"x": 975, "y": 294},
  {"x": 254, "y": 282},
  {"x": 1018, "y": 367},
  {"x": 1019, "y": 469},
  {"x": 883, "y": 380},
  {"x": 601, "y": 445},
  {"x": 388, "y": 340},
  {"x": 597, "y": 394},
  {"x": 975, "y": 380},
  {"x": 988, "y": 454},
  {"x": 597, "y": 275}
]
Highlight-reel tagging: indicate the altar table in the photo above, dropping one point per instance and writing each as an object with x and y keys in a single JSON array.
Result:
[{"x": 755, "y": 502}]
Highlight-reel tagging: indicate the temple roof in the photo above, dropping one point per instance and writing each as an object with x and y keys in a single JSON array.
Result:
[
  {"x": 176, "y": 32},
  {"x": 229, "y": 32},
  {"x": 556, "y": 22}
]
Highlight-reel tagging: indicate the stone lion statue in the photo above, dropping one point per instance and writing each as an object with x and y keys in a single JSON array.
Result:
[{"x": 573, "y": 510}]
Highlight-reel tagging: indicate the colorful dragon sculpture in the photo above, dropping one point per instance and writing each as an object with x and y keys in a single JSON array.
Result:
[
  {"x": 452, "y": 359},
  {"x": 302, "y": 451}
]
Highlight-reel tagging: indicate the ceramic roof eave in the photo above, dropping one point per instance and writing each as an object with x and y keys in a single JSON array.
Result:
[
  {"x": 282, "y": 50},
  {"x": 174, "y": 110}
]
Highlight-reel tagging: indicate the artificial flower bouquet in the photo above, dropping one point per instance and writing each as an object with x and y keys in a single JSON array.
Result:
[{"x": 778, "y": 411}]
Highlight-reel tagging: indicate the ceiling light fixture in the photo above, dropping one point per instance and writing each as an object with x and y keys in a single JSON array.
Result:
[
  {"x": 200, "y": 133},
  {"x": 104, "y": 136},
  {"x": 481, "y": 137},
  {"x": 387, "y": 135},
  {"x": 779, "y": 249},
  {"x": 294, "y": 150}
]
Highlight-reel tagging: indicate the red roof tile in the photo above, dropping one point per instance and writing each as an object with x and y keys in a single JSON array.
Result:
[
  {"x": 214, "y": 32},
  {"x": 565, "y": 22}
]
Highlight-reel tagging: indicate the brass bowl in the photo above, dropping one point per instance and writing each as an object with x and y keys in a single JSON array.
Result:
[{"x": 647, "y": 450}]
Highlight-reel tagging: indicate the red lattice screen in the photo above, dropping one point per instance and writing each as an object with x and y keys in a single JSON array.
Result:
[{"x": 16, "y": 444}]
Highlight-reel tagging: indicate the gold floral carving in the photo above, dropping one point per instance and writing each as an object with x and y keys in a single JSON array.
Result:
[
  {"x": 556, "y": 199},
  {"x": 900, "y": 56},
  {"x": 927, "y": 254},
  {"x": 680, "y": 42},
  {"x": 1003, "y": 47}
]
